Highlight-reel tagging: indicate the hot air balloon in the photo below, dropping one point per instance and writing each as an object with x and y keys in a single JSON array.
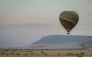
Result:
[{"x": 68, "y": 20}]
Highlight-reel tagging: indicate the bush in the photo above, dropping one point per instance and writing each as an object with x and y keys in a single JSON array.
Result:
[
  {"x": 82, "y": 53},
  {"x": 32, "y": 53},
  {"x": 42, "y": 52},
  {"x": 58, "y": 54}
]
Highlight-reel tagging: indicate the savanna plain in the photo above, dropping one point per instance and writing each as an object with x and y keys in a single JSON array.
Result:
[{"x": 44, "y": 53}]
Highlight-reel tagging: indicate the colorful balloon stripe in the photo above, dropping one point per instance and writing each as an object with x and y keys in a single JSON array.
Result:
[
  {"x": 69, "y": 16},
  {"x": 74, "y": 12},
  {"x": 69, "y": 26},
  {"x": 65, "y": 26},
  {"x": 67, "y": 19}
]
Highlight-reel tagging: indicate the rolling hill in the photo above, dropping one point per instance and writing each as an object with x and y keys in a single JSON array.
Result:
[{"x": 62, "y": 42}]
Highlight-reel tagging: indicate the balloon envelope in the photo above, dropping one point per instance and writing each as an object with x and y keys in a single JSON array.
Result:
[{"x": 68, "y": 20}]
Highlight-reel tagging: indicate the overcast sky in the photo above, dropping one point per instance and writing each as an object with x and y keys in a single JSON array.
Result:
[{"x": 23, "y": 22}]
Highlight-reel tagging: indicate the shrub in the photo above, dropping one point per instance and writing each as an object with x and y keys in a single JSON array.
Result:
[
  {"x": 82, "y": 53},
  {"x": 45, "y": 54},
  {"x": 68, "y": 53},
  {"x": 58, "y": 54},
  {"x": 12, "y": 53},
  {"x": 6, "y": 50},
  {"x": 42, "y": 52},
  {"x": 17, "y": 54},
  {"x": 25, "y": 54},
  {"x": 32, "y": 53}
]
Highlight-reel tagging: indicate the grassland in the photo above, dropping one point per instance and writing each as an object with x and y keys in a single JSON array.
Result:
[{"x": 44, "y": 53}]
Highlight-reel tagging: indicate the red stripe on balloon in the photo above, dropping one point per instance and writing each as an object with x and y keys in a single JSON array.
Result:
[
  {"x": 66, "y": 24},
  {"x": 67, "y": 15}
]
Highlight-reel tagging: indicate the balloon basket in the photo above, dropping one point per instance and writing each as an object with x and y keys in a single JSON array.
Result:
[{"x": 68, "y": 33}]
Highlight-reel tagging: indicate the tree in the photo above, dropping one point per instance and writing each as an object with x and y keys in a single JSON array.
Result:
[
  {"x": 42, "y": 52},
  {"x": 26, "y": 55},
  {"x": 32, "y": 53},
  {"x": 6, "y": 50},
  {"x": 59, "y": 55},
  {"x": 11, "y": 52},
  {"x": 45, "y": 54},
  {"x": 17, "y": 55},
  {"x": 77, "y": 54},
  {"x": 82, "y": 53},
  {"x": 68, "y": 53}
]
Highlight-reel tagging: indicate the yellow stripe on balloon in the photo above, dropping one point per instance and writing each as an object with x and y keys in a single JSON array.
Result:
[
  {"x": 73, "y": 12},
  {"x": 67, "y": 19},
  {"x": 68, "y": 29}
]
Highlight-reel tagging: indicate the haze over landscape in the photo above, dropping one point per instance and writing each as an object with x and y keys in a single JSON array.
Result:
[
  {"x": 23, "y": 22},
  {"x": 62, "y": 42}
]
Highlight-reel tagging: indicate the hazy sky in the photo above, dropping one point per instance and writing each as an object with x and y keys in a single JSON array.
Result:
[{"x": 23, "y": 22}]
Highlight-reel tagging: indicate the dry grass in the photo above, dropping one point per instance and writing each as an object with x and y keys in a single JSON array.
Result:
[{"x": 45, "y": 53}]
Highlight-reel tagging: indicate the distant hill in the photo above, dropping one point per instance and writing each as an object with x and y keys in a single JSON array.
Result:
[{"x": 62, "y": 42}]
